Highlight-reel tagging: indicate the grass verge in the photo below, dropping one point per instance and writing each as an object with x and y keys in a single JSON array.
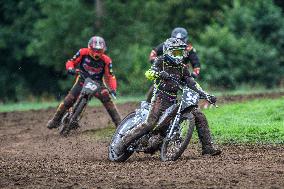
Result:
[
  {"x": 257, "y": 121},
  {"x": 252, "y": 122},
  {"x": 24, "y": 106}
]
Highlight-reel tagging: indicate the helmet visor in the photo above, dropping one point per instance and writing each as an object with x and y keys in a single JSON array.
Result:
[{"x": 177, "y": 52}]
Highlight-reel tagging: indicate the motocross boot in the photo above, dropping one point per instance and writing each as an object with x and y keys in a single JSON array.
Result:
[
  {"x": 205, "y": 135},
  {"x": 55, "y": 121},
  {"x": 112, "y": 110}
]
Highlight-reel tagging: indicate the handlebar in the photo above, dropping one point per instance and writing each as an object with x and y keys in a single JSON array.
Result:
[
  {"x": 113, "y": 96},
  {"x": 181, "y": 82},
  {"x": 206, "y": 97},
  {"x": 80, "y": 73},
  {"x": 194, "y": 75}
]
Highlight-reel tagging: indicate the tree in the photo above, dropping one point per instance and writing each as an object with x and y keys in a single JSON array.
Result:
[
  {"x": 243, "y": 47},
  {"x": 17, "y": 68}
]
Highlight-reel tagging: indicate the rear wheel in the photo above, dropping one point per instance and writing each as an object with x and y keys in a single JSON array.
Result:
[
  {"x": 111, "y": 152},
  {"x": 172, "y": 148},
  {"x": 72, "y": 123}
]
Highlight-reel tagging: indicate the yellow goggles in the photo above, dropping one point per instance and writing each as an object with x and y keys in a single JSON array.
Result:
[{"x": 177, "y": 52}]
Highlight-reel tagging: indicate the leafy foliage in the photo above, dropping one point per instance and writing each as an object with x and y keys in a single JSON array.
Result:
[
  {"x": 231, "y": 61},
  {"x": 245, "y": 47},
  {"x": 238, "y": 41}
]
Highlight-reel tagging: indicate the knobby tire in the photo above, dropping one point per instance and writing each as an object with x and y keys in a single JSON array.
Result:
[
  {"x": 166, "y": 142},
  {"x": 77, "y": 112},
  {"x": 123, "y": 157}
]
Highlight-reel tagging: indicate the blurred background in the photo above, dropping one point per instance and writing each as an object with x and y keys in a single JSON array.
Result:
[{"x": 240, "y": 43}]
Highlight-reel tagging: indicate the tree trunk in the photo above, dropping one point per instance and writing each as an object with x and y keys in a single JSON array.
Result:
[{"x": 99, "y": 14}]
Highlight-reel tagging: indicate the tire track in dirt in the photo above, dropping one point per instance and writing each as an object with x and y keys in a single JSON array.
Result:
[{"x": 32, "y": 156}]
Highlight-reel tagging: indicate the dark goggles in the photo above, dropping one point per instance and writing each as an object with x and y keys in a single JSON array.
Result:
[{"x": 98, "y": 50}]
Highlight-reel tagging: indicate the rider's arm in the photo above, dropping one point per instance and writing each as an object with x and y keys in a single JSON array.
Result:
[
  {"x": 76, "y": 59},
  {"x": 157, "y": 51},
  {"x": 193, "y": 59},
  {"x": 191, "y": 83},
  {"x": 109, "y": 77}
]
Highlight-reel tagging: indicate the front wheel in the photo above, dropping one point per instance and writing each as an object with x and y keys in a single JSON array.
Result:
[
  {"x": 172, "y": 148},
  {"x": 123, "y": 127},
  {"x": 72, "y": 123}
]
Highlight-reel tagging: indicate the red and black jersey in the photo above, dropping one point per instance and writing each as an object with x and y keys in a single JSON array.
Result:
[
  {"x": 99, "y": 70},
  {"x": 191, "y": 57}
]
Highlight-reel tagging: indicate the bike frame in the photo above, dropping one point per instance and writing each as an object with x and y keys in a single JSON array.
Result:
[
  {"x": 189, "y": 99},
  {"x": 89, "y": 88}
]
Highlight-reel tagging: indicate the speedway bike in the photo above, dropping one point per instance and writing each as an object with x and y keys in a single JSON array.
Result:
[
  {"x": 71, "y": 118},
  {"x": 171, "y": 135}
]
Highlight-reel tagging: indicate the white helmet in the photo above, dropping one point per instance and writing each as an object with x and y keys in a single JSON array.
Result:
[{"x": 174, "y": 50}]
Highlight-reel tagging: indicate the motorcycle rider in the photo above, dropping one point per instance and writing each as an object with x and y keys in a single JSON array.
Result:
[
  {"x": 190, "y": 55},
  {"x": 95, "y": 64},
  {"x": 163, "y": 70}
]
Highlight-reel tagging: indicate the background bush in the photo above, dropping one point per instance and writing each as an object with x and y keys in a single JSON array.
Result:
[{"x": 239, "y": 42}]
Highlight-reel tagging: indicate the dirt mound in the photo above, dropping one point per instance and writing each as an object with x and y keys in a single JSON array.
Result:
[{"x": 32, "y": 156}]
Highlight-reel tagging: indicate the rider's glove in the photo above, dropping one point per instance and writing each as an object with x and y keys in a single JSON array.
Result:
[
  {"x": 211, "y": 99},
  {"x": 194, "y": 75},
  {"x": 196, "y": 71},
  {"x": 71, "y": 71},
  {"x": 113, "y": 93},
  {"x": 164, "y": 75}
]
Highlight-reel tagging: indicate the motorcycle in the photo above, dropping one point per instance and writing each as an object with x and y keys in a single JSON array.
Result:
[
  {"x": 171, "y": 135},
  {"x": 71, "y": 118}
]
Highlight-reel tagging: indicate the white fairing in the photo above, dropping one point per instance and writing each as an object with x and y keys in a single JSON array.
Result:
[{"x": 189, "y": 98}]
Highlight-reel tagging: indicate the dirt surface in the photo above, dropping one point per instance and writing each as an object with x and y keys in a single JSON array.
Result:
[{"x": 32, "y": 156}]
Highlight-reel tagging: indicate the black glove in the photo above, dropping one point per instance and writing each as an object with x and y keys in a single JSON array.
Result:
[
  {"x": 164, "y": 75},
  {"x": 71, "y": 71},
  {"x": 113, "y": 93},
  {"x": 211, "y": 99},
  {"x": 194, "y": 75}
]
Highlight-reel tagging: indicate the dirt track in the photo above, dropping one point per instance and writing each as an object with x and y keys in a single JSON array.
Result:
[{"x": 32, "y": 156}]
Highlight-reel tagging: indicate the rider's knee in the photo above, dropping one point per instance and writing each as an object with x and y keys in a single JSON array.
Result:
[
  {"x": 69, "y": 100},
  {"x": 104, "y": 96}
]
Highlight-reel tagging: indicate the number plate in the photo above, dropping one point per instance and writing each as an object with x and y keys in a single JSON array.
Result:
[
  {"x": 91, "y": 86},
  {"x": 190, "y": 97}
]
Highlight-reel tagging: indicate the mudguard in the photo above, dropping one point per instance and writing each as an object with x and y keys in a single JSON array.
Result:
[
  {"x": 132, "y": 120},
  {"x": 140, "y": 116}
]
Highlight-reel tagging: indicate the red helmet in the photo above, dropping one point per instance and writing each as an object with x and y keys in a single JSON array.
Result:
[{"x": 97, "y": 47}]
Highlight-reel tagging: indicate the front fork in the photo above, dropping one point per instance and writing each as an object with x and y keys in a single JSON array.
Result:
[
  {"x": 77, "y": 104},
  {"x": 174, "y": 125}
]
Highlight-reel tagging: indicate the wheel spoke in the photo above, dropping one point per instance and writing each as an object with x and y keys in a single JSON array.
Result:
[{"x": 173, "y": 147}]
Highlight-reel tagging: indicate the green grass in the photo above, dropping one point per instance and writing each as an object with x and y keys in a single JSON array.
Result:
[
  {"x": 104, "y": 134},
  {"x": 257, "y": 121},
  {"x": 253, "y": 122},
  {"x": 24, "y": 106},
  {"x": 247, "y": 90},
  {"x": 36, "y": 105}
]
